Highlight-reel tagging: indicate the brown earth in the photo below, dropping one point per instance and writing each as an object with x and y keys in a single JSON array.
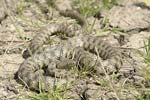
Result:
[{"x": 19, "y": 22}]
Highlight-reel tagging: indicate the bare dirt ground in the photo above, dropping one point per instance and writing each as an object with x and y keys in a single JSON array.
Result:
[{"x": 21, "y": 19}]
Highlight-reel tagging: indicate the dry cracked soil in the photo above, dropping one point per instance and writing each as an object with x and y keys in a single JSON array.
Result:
[{"x": 126, "y": 25}]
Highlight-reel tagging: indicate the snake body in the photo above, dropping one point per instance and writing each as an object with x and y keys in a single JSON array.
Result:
[{"x": 81, "y": 49}]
